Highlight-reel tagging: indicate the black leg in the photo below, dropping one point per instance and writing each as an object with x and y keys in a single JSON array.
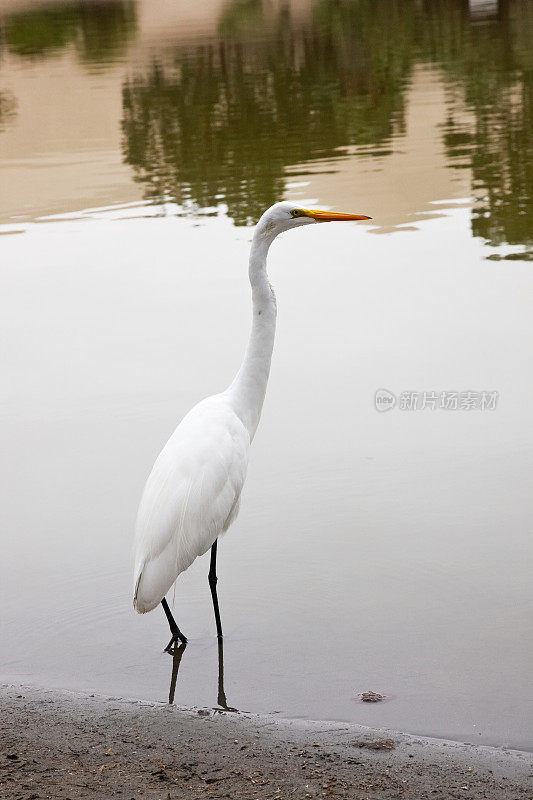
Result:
[
  {"x": 176, "y": 633},
  {"x": 213, "y": 586}
]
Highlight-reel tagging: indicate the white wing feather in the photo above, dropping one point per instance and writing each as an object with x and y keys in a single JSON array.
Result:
[{"x": 191, "y": 496}]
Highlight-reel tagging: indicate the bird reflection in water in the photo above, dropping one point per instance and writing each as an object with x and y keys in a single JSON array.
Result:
[
  {"x": 221, "y": 697},
  {"x": 177, "y": 654}
]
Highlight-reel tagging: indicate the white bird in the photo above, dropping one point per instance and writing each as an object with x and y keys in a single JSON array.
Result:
[{"x": 193, "y": 492}]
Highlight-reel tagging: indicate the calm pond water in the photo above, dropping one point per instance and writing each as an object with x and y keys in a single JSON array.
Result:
[{"x": 139, "y": 141}]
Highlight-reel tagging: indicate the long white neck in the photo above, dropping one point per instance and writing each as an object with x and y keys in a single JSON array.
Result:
[{"x": 247, "y": 392}]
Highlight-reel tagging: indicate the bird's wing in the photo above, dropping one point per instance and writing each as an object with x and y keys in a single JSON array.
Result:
[{"x": 191, "y": 496}]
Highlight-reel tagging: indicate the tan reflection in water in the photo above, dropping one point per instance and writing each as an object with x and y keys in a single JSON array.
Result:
[
  {"x": 404, "y": 184},
  {"x": 62, "y": 156},
  {"x": 62, "y": 151},
  {"x": 77, "y": 104},
  {"x": 67, "y": 156}
]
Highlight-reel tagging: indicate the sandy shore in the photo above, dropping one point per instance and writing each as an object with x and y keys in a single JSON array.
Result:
[{"x": 65, "y": 745}]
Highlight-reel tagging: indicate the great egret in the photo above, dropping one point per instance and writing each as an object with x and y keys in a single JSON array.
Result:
[{"x": 192, "y": 494}]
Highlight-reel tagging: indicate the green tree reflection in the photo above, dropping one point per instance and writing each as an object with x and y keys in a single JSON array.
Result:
[
  {"x": 8, "y": 109},
  {"x": 41, "y": 31},
  {"x": 221, "y": 122},
  {"x": 99, "y": 30},
  {"x": 492, "y": 63}
]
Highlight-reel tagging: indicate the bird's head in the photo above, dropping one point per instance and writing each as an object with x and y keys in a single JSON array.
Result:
[{"x": 286, "y": 215}]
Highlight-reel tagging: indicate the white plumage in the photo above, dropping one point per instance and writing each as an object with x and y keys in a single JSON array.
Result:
[{"x": 192, "y": 494}]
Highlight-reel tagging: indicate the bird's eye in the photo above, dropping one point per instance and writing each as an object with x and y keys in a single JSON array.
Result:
[{"x": 295, "y": 212}]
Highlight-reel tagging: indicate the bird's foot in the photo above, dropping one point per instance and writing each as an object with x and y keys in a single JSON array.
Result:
[
  {"x": 176, "y": 637},
  {"x": 223, "y": 703}
]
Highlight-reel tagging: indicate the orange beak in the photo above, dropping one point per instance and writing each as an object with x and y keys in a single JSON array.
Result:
[{"x": 332, "y": 216}]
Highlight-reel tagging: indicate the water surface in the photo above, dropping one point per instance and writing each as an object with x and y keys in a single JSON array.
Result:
[{"x": 382, "y": 551}]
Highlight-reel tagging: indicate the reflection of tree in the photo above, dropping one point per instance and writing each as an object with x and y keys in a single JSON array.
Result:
[
  {"x": 240, "y": 16},
  {"x": 39, "y": 32},
  {"x": 8, "y": 109},
  {"x": 106, "y": 29},
  {"x": 221, "y": 122},
  {"x": 101, "y": 30},
  {"x": 490, "y": 65},
  {"x": 502, "y": 163}
]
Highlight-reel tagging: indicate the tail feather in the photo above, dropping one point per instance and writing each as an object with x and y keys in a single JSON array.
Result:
[
  {"x": 136, "y": 590},
  {"x": 155, "y": 578}
]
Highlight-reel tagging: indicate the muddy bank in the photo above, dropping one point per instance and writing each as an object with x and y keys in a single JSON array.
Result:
[{"x": 65, "y": 745}]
